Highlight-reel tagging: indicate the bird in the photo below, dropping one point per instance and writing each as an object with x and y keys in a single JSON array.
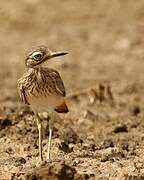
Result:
[{"x": 42, "y": 89}]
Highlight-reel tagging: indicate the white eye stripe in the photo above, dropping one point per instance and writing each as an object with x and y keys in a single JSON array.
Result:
[{"x": 36, "y": 53}]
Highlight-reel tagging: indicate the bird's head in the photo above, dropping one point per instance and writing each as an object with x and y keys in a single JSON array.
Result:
[{"x": 41, "y": 54}]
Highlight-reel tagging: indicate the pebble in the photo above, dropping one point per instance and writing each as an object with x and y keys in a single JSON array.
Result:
[
  {"x": 107, "y": 143},
  {"x": 120, "y": 128},
  {"x": 125, "y": 146},
  {"x": 136, "y": 110},
  {"x": 19, "y": 161}
]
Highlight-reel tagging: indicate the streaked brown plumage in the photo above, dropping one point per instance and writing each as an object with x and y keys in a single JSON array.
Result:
[
  {"x": 42, "y": 88},
  {"x": 41, "y": 83}
]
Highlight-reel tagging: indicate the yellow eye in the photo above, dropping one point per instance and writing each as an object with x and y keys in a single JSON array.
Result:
[{"x": 37, "y": 56}]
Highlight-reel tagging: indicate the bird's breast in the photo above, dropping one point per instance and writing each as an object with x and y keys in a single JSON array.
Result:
[
  {"x": 41, "y": 89},
  {"x": 41, "y": 94}
]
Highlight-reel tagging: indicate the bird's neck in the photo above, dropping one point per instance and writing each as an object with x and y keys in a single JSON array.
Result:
[{"x": 36, "y": 69}]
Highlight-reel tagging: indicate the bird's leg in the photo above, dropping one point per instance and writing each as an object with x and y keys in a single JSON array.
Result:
[
  {"x": 49, "y": 143},
  {"x": 39, "y": 124},
  {"x": 50, "y": 137}
]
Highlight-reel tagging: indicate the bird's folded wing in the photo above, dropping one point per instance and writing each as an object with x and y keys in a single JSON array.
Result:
[
  {"x": 58, "y": 82},
  {"x": 23, "y": 95}
]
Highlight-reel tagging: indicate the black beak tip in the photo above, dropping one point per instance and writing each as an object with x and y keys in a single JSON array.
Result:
[
  {"x": 60, "y": 53},
  {"x": 64, "y": 53}
]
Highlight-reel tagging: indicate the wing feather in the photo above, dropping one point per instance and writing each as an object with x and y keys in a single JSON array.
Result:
[
  {"x": 58, "y": 82},
  {"x": 22, "y": 94}
]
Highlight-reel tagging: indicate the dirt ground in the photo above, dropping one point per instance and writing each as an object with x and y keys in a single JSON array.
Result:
[{"x": 102, "y": 135}]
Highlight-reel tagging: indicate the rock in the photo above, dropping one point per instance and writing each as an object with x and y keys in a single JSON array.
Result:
[
  {"x": 104, "y": 158},
  {"x": 19, "y": 161},
  {"x": 4, "y": 122},
  {"x": 89, "y": 115},
  {"x": 125, "y": 146},
  {"x": 55, "y": 171},
  {"x": 9, "y": 150},
  {"x": 68, "y": 135},
  {"x": 107, "y": 143},
  {"x": 136, "y": 110},
  {"x": 65, "y": 147},
  {"x": 120, "y": 128},
  {"x": 89, "y": 146}
]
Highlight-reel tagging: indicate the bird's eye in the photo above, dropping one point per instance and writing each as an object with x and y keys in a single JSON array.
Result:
[{"x": 37, "y": 56}]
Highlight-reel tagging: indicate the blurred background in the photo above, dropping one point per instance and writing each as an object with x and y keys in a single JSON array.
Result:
[{"x": 104, "y": 40}]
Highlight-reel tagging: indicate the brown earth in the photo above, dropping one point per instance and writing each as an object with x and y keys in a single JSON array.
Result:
[{"x": 102, "y": 135}]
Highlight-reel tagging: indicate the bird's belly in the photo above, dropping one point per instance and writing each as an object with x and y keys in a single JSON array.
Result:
[{"x": 45, "y": 103}]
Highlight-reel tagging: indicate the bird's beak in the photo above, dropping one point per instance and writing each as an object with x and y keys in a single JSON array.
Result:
[{"x": 59, "y": 53}]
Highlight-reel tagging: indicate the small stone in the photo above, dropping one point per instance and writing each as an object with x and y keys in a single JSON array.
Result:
[
  {"x": 134, "y": 125},
  {"x": 54, "y": 171},
  {"x": 9, "y": 150},
  {"x": 112, "y": 159},
  {"x": 120, "y": 128},
  {"x": 90, "y": 147},
  {"x": 19, "y": 161},
  {"x": 4, "y": 123},
  {"x": 125, "y": 146},
  {"x": 107, "y": 143},
  {"x": 65, "y": 147},
  {"x": 68, "y": 135},
  {"x": 136, "y": 110},
  {"x": 89, "y": 115},
  {"x": 76, "y": 162},
  {"x": 27, "y": 148},
  {"x": 104, "y": 158}
]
